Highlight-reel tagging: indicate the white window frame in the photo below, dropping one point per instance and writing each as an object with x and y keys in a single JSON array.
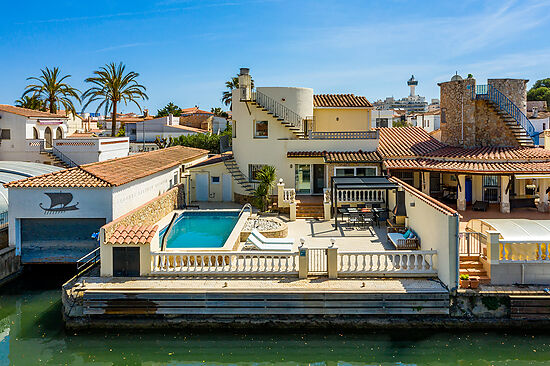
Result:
[{"x": 355, "y": 169}]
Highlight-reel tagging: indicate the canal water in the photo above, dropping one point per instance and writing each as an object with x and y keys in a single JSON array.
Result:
[{"x": 31, "y": 333}]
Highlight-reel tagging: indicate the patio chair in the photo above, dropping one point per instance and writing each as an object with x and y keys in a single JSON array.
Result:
[
  {"x": 354, "y": 218},
  {"x": 343, "y": 210},
  {"x": 480, "y": 206},
  {"x": 381, "y": 216}
]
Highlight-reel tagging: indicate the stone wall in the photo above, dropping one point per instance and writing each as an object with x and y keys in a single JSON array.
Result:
[
  {"x": 9, "y": 262},
  {"x": 514, "y": 89},
  {"x": 151, "y": 212},
  {"x": 457, "y": 110},
  {"x": 474, "y": 123}
]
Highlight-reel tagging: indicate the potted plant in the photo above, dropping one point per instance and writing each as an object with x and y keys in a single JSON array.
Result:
[
  {"x": 464, "y": 281},
  {"x": 474, "y": 282}
]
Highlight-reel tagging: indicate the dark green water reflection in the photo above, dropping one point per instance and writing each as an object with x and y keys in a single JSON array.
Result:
[{"x": 31, "y": 333}]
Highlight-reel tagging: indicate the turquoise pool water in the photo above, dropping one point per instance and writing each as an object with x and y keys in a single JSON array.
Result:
[{"x": 201, "y": 229}]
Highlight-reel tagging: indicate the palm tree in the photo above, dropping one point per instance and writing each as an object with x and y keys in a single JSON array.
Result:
[
  {"x": 32, "y": 102},
  {"x": 112, "y": 85},
  {"x": 230, "y": 85},
  {"x": 267, "y": 176},
  {"x": 52, "y": 91}
]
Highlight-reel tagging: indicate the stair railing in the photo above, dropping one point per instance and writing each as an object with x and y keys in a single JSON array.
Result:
[
  {"x": 278, "y": 110},
  {"x": 489, "y": 92},
  {"x": 64, "y": 158},
  {"x": 226, "y": 157}
]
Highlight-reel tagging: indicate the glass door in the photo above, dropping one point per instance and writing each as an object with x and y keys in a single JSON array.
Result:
[
  {"x": 303, "y": 178},
  {"x": 318, "y": 178}
]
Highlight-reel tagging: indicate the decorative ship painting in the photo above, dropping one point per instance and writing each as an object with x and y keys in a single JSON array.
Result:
[{"x": 59, "y": 202}]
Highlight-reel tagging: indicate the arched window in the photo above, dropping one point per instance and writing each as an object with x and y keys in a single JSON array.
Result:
[
  {"x": 34, "y": 133},
  {"x": 58, "y": 133},
  {"x": 48, "y": 137}
]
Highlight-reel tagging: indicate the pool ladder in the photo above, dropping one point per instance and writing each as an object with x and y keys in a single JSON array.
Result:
[{"x": 247, "y": 205}]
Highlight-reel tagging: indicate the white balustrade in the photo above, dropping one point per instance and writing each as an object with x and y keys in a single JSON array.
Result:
[
  {"x": 521, "y": 252},
  {"x": 400, "y": 263},
  {"x": 289, "y": 195},
  {"x": 227, "y": 263},
  {"x": 361, "y": 195}
]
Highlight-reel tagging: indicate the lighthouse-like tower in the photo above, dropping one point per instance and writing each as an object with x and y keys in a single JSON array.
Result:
[{"x": 412, "y": 83}]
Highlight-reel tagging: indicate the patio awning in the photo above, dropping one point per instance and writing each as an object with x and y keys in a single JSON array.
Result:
[{"x": 521, "y": 230}]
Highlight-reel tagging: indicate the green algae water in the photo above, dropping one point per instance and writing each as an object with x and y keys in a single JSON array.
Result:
[{"x": 32, "y": 333}]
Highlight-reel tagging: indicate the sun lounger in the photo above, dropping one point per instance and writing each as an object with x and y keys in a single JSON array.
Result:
[{"x": 259, "y": 241}]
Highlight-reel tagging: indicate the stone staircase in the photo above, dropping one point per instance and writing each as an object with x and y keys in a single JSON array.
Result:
[
  {"x": 472, "y": 266},
  {"x": 51, "y": 159},
  {"x": 285, "y": 116},
  {"x": 238, "y": 176},
  {"x": 518, "y": 123},
  {"x": 309, "y": 210},
  {"x": 519, "y": 132}
]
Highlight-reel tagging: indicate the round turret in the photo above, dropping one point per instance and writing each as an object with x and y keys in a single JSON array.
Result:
[{"x": 412, "y": 81}]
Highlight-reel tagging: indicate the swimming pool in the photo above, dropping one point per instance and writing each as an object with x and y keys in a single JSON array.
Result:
[{"x": 199, "y": 229}]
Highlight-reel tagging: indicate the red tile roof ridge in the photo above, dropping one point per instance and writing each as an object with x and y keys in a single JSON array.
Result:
[
  {"x": 426, "y": 198},
  {"x": 27, "y": 112}
]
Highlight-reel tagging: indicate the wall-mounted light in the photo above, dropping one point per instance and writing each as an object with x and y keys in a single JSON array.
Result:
[
  {"x": 412, "y": 204},
  {"x": 290, "y": 166},
  {"x": 337, "y": 118}
]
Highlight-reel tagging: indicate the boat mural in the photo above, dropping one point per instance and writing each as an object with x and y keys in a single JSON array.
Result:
[{"x": 59, "y": 202}]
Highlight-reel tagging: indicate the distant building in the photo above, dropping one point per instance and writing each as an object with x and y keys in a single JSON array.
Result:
[{"x": 412, "y": 103}]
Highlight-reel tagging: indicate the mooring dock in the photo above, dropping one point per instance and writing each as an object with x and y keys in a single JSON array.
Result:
[{"x": 98, "y": 300}]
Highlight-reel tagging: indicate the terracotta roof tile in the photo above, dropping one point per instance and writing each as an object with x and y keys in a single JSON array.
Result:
[
  {"x": 490, "y": 152},
  {"x": 493, "y": 167},
  {"x": 143, "y": 234},
  {"x": 338, "y": 156},
  {"x": 29, "y": 112},
  {"x": 340, "y": 100},
  {"x": 406, "y": 142},
  {"x": 115, "y": 172}
]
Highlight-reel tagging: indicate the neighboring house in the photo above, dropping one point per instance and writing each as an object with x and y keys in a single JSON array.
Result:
[
  {"x": 163, "y": 127},
  {"x": 540, "y": 121},
  {"x": 382, "y": 118},
  {"x": 204, "y": 120},
  {"x": 52, "y": 217},
  {"x": 412, "y": 103},
  {"x": 429, "y": 121},
  {"x": 42, "y": 137}
]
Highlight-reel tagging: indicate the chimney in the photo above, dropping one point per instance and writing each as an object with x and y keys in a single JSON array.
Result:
[
  {"x": 399, "y": 211},
  {"x": 245, "y": 84},
  {"x": 535, "y": 112}
]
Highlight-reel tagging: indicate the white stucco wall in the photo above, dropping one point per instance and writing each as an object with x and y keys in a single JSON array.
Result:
[
  {"x": 93, "y": 149},
  {"x": 25, "y": 203},
  {"x": 136, "y": 193}
]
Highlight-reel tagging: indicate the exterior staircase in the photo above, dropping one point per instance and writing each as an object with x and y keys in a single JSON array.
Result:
[
  {"x": 513, "y": 117},
  {"x": 472, "y": 266},
  {"x": 309, "y": 210},
  {"x": 238, "y": 176},
  {"x": 287, "y": 117},
  {"x": 51, "y": 159}
]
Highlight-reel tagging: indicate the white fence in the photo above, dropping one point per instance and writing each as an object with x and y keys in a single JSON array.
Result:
[
  {"x": 289, "y": 195},
  {"x": 236, "y": 263},
  {"x": 520, "y": 252},
  {"x": 395, "y": 262},
  {"x": 356, "y": 195}
]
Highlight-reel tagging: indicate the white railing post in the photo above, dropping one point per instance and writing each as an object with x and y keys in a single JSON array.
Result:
[
  {"x": 493, "y": 247},
  {"x": 280, "y": 193}
]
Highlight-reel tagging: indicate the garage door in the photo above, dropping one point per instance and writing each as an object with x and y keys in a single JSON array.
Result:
[{"x": 57, "y": 240}]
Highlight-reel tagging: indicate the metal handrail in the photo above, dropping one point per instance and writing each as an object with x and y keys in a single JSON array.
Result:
[
  {"x": 491, "y": 93},
  {"x": 278, "y": 110},
  {"x": 246, "y": 205},
  {"x": 64, "y": 157},
  {"x": 85, "y": 263}
]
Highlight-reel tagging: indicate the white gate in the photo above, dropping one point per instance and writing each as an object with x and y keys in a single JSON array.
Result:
[
  {"x": 317, "y": 261},
  {"x": 201, "y": 189}
]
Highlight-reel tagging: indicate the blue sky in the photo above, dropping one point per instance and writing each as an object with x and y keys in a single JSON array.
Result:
[{"x": 185, "y": 50}]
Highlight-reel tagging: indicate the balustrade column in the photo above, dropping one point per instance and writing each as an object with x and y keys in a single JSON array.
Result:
[
  {"x": 504, "y": 194},
  {"x": 543, "y": 196},
  {"x": 461, "y": 201}
]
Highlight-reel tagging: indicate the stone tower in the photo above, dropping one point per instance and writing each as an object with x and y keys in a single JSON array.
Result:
[{"x": 470, "y": 120}]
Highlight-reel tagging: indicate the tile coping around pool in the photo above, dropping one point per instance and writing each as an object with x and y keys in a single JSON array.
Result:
[{"x": 231, "y": 244}]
